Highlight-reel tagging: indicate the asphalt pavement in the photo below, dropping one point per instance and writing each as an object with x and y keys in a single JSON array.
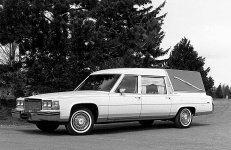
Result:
[{"x": 209, "y": 132}]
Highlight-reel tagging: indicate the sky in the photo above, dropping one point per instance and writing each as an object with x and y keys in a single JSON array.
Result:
[{"x": 207, "y": 24}]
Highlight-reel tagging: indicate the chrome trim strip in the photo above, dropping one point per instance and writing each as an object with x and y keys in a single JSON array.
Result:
[{"x": 128, "y": 119}]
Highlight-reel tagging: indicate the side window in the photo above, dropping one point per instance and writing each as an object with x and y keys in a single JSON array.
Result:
[
  {"x": 129, "y": 83},
  {"x": 153, "y": 85}
]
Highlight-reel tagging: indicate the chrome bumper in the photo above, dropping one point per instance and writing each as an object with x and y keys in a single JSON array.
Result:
[{"x": 36, "y": 116}]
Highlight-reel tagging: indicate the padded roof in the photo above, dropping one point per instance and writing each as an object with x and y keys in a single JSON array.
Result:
[
  {"x": 137, "y": 71},
  {"x": 182, "y": 80}
]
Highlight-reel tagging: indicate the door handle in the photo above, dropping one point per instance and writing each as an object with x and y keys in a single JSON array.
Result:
[{"x": 137, "y": 97}]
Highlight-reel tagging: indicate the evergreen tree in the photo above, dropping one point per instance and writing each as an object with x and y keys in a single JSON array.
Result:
[
  {"x": 127, "y": 34},
  {"x": 225, "y": 91},
  {"x": 61, "y": 42},
  {"x": 229, "y": 92},
  {"x": 115, "y": 33},
  {"x": 219, "y": 93},
  {"x": 184, "y": 57},
  {"x": 40, "y": 28}
]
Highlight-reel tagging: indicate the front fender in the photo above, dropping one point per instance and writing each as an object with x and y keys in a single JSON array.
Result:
[{"x": 101, "y": 102}]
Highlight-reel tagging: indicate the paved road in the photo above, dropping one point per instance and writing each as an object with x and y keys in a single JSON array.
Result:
[{"x": 209, "y": 132}]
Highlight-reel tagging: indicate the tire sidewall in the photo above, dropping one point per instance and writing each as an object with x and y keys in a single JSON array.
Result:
[
  {"x": 178, "y": 122},
  {"x": 70, "y": 127}
]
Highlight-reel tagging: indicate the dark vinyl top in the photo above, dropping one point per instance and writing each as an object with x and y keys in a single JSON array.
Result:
[{"x": 188, "y": 81}]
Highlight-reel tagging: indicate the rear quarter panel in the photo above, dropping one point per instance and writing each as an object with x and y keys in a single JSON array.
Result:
[{"x": 200, "y": 101}]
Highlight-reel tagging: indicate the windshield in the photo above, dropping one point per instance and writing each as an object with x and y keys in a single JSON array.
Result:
[{"x": 101, "y": 82}]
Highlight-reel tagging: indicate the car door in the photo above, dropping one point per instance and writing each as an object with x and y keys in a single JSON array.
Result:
[
  {"x": 125, "y": 102},
  {"x": 155, "y": 101}
]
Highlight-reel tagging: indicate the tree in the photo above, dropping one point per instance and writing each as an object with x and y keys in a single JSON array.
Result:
[
  {"x": 115, "y": 33},
  {"x": 225, "y": 91},
  {"x": 127, "y": 34},
  {"x": 40, "y": 28},
  {"x": 184, "y": 57},
  {"x": 61, "y": 42},
  {"x": 8, "y": 54},
  {"x": 219, "y": 93},
  {"x": 1, "y": 3},
  {"x": 229, "y": 92}
]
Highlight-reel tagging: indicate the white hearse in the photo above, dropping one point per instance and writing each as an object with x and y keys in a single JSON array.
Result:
[{"x": 123, "y": 94}]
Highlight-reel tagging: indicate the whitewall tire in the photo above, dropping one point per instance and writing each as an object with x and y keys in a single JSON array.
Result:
[
  {"x": 81, "y": 122},
  {"x": 183, "y": 118}
]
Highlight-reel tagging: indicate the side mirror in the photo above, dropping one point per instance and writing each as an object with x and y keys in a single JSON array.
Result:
[{"x": 122, "y": 91}]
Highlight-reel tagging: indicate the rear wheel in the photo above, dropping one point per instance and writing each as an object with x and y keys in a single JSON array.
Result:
[
  {"x": 81, "y": 122},
  {"x": 146, "y": 122},
  {"x": 47, "y": 126},
  {"x": 183, "y": 118}
]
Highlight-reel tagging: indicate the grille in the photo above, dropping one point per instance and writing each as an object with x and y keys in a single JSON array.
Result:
[{"x": 32, "y": 105}]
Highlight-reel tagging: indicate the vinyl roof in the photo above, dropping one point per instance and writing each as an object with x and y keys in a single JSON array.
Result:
[
  {"x": 181, "y": 80},
  {"x": 136, "y": 71}
]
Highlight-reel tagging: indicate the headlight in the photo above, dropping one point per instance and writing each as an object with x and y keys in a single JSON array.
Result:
[
  {"x": 50, "y": 105},
  {"x": 19, "y": 103}
]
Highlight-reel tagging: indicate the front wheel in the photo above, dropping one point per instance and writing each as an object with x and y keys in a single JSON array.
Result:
[
  {"x": 81, "y": 122},
  {"x": 183, "y": 118},
  {"x": 47, "y": 126}
]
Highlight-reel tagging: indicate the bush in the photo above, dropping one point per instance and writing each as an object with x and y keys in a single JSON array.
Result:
[{"x": 9, "y": 103}]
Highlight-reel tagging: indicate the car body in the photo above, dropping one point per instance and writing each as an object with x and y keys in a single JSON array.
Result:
[{"x": 123, "y": 94}]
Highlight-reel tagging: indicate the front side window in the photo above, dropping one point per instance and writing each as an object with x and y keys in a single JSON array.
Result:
[
  {"x": 101, "y": 82},
  {"x": 153, "y": 85},
  {"x": 129, "y": 84}
]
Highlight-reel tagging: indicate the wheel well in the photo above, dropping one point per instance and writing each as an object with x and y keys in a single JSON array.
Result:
[
  {"x": 92, "y": 107},
  {"x": 192, "y": 109}
]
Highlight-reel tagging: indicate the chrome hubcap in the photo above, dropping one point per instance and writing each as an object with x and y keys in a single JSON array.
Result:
[
  {"x": 185, "y": 117},
  {"x": 81, "y": 121}
]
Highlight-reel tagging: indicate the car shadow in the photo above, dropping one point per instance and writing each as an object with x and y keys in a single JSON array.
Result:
[
  {"x": 200, "y": 124},
  {"x": 135, "y": 127},
  {"x": 59, "y": 132},
  {"x": 114, "y": 128}
]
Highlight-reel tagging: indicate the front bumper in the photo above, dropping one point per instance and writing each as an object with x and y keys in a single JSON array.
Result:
[{"x": 36, "y": 116}]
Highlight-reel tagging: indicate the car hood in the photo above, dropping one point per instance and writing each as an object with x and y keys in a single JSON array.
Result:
[{"x": 69, "y": 94}]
